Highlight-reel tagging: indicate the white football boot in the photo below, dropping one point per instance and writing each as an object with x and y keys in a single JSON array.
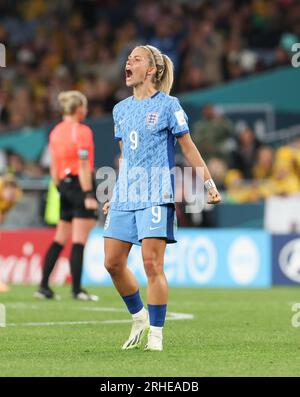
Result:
[
  {"x": 155, "y": 339},
  {"x": 139, "y": 330}
]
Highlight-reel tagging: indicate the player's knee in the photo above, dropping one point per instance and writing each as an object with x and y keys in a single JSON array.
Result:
[
  {"x": 152, "y": 267},
  {"x": 113, "y": 265}
]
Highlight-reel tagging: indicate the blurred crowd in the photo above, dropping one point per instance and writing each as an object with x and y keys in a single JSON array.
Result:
[
  {"x": 242, "y": 165},
  {"x": 57, "y": 45},
  {"x": 244, "y": 169},
  {"x": 12, "y": 163},
  {"x": 76, "y": 44}
]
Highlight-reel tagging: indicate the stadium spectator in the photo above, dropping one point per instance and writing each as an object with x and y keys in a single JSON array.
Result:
[
  {"x": 238, "y": 190},
  {"x": 213, "y": 133},
  {"x": 285, "y": 178},
  {"x": 10, "y": 194},
  {"x": 15, "y": 164},
  {"x": 243, "y": 157},
  {"x": 218, "y": 170},
  {"x": 263, "y": 166},
  {"x": 204, "y": 53},
  {"x": 275, "y": 174}
]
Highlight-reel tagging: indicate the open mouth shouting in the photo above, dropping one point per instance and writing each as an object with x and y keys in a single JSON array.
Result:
[{"x": 128, "y": 74}]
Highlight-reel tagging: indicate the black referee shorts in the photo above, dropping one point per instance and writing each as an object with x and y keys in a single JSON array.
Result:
[{"x": 72, "y": 200}]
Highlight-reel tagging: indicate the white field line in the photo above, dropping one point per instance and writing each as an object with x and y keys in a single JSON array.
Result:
[
  {"x": 46, "y": 324},
  {"x": 25, "y": 306},
  {"x": 22, "y": 305},
  {"x": 170, "y": 316},
  {"x": 102, "y": 309}
]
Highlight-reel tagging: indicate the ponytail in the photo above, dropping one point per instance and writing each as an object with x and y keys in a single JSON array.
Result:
[
  {"x": 164, "y": 77},
  {"x": 166, "y": 81}
]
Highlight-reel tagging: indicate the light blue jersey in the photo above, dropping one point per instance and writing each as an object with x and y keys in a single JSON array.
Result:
[{"x": 148, "y": 129}]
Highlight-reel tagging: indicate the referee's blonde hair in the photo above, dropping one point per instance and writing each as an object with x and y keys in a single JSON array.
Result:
[
  {"x": 69, "y": 101},
  {"x": 164, "y": 76}
]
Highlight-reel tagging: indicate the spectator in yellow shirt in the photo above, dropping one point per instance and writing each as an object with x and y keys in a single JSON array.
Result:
[
  {"x": 285, "y": 178},
  {"x": 10, "y": 193}
]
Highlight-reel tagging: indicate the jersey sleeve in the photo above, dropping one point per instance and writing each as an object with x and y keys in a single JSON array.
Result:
[
  {"x": 118, "y": 134},
  {"x": 85, "y": 143},
  {"x": 178, "y": 120}
]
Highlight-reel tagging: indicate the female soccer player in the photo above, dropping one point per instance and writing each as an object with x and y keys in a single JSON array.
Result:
[
  {"x": 72, "y": 163},
  {"x": 147, "y": 125}
]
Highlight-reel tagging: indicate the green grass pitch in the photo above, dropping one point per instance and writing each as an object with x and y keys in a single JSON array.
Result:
[{"x": 233, "y": 332}]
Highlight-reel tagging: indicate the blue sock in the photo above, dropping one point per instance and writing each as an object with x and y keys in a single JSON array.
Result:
[
  {"x": 133, "y": 302},
  {"x": 157, "y": 315}
]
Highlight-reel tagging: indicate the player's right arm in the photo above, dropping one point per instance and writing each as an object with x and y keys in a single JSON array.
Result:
[
  {"x": 179, "y": 127},
  {"x": 193, "y": 156}
]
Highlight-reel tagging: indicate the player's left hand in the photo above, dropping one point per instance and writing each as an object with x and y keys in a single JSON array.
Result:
[
  {"x": 214, "y": 196},
  {"x": 106, "y": 207}
]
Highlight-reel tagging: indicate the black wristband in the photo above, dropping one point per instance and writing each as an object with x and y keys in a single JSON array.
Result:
[{"x": 89, "y": 194}]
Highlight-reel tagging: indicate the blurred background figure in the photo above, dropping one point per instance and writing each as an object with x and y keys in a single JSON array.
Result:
[
  {"x": 263, "y": 164},
  {"x": 72, "y": 172},
  {"x": 285, "y": 175},
  {"x": 10, "y": 194},
  {"x": 84, "y": 47},
  {"x": 213, "y": 133},
  {"x": 244, "y": 156}
]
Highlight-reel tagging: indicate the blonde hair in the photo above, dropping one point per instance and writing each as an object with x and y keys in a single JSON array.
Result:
[
  {"x": 69, "y": 101},
  {"x": 164, "y": 76}
]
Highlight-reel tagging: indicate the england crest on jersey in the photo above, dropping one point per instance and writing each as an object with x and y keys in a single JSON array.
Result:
[{"x": 152, "y": 119}]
